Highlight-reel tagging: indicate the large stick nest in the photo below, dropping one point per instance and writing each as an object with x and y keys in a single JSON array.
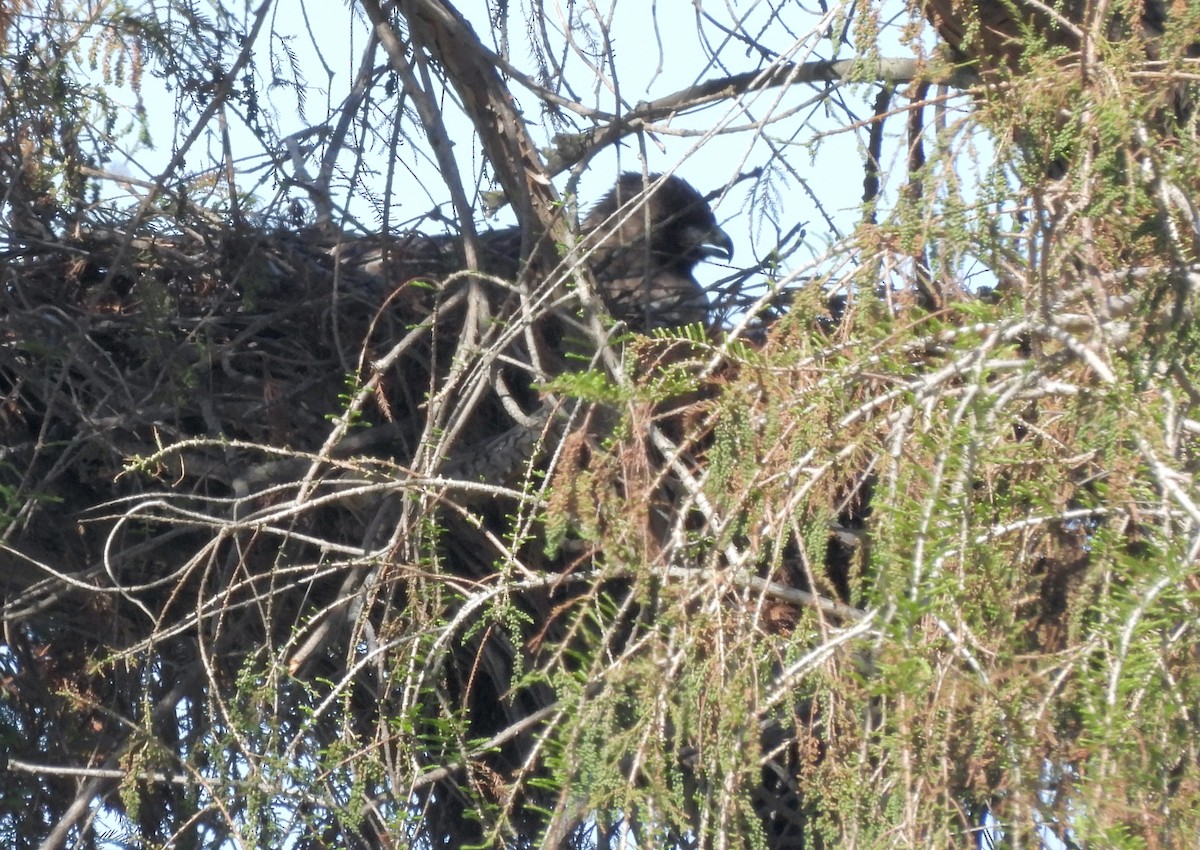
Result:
[
  {"x": 236, "y": 369},
  {"x": 235, "y": 447}
]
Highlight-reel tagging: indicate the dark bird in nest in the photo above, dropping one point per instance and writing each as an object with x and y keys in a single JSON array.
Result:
[
  {"x": 645, "y": 241},
  {"x": 642, "y": 242}
]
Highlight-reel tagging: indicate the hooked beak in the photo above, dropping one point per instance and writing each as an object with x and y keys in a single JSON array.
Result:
[{"x": 713, "y": 243}]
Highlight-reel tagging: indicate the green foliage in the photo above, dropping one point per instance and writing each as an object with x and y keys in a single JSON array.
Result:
[
  {"x": 591, "y": 385},
  {"x": 907, "y": 555}
]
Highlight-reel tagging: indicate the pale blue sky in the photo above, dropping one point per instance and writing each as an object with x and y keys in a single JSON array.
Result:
[{"x": 655, "y": 55}]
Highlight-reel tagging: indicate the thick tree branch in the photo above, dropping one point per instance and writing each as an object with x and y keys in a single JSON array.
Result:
[
  {"x": 574, "y": 148},
  {"x": 451, "y": 42}
]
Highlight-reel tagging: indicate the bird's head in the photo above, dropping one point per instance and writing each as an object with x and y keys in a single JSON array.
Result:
[
  {"x": 646, "y": 237},
  {"x": 682, "y": 228},
  {"x": 685, "y": 229},
  {"x": 704, "y": 242}
]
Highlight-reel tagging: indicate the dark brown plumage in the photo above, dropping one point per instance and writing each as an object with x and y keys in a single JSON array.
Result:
[
  {"x": 645, "y": 240},
  {"x": 641, "y": 243}
]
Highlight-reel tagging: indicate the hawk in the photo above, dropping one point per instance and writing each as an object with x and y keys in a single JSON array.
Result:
[
  {"x": 645, "y": 240},
  {"x": 641, "y": 242}
]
